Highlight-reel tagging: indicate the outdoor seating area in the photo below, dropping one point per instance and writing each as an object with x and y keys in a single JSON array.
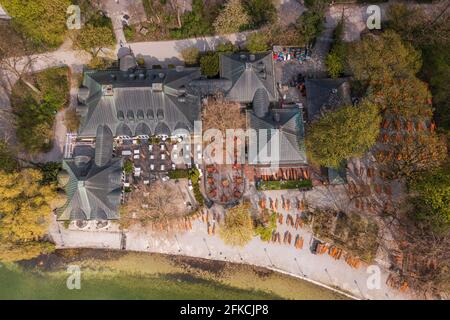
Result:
[
  {"x": 283, "y": 54},
  {"x": 150, "y": 158},
  {"x": 224, "y": 183}
]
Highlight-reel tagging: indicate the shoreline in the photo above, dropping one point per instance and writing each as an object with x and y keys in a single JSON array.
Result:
[{"x": 106, "y": 268}]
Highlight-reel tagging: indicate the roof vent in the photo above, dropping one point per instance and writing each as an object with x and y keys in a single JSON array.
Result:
[
  {"x": 276, "y": 117},
  {"x": 334, "y": 91},
  {"x": 179, "y": 68},
  {"x": 161, "y": 75},
  {"x": 182, "y": 98},
  {"x": 141, "y": 76},
  {"x": 252, "y": 57},
  {"x": 113, "y": 76},
  {"x": 248, "y": 65},
  {"x": 131, "y": 76},
  {"x": 243, "y": 57}
]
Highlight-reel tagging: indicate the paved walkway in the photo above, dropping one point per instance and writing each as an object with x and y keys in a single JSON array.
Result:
[{"x": 283, "y": 257}]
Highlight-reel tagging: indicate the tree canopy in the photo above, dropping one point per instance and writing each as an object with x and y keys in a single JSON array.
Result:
[
  {"x": 237, "y": 229},
  {"x": 338, "y": 135},
  {"x": 232, "y": 18},
  {"x": 376, "y": 58},
  {"x": 257, "y": 42},
  {"x": 92, "y": 39},
  {"x": 25, "y": 210},
  {"x": 261, "y": 12},
  {"x": 431, "y": 197},
  {"x": 44, "y": 21}
]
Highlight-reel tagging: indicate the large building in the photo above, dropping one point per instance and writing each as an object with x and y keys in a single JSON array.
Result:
[{"x": 129, "y": 101}]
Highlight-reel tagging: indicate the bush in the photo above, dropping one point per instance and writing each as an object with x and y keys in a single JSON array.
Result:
[
  {"x": 265, "y": 229},
  {"x": 281, "y": 185},
  {"x": 257, "y": 42},
  {"x": 209, "y": 64},
  {"x": 179, "y": 174},
  {"x": 226, "y": 46},
  {"x": 128, "y": 166},
  {"x": 335, "y": 65},
  {"x": 190, "y": 55},
  {"x": 195, "y": 23}
]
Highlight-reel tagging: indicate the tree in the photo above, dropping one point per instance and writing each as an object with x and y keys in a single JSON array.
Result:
[
  {"x": 309, "y": 25},
  {"x": 25, "y": 207},
  {"x": 190, "y": 55},
  {"x": 257, "y": 42},
  {"x": 209, "y": 64},
  {"x": 376, "y": 58},
  {"x": 92, "y": 39},
  {"x": 412, "y": 154},
  {"x": 406, "y": 97},
  {"x": 335, "y": 65},
  {"x": 338, "y": 135},
  {"x": 431, "y": 197},
  {"x": 261, "y": 12},
  {"x": 157, "y": 204},
  {"x": 237, "y": 229},
  {"x": 232, "y": 18},
  {"x": 43, "y": 22},
  {"x": 221, "y": 114},
  {"x": 8, "y": 161}
]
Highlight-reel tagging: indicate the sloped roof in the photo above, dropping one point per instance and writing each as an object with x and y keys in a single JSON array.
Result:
[
  {"x": 134, "y": 102},
  {"x": 326, "y": 94},
  {"x": 93, "y": 192},
  {"x": 248, "y": 73},
  {"x": 291, "y": 134}
]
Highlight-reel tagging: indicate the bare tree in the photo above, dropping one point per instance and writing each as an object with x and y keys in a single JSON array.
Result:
[
  {"x": 155, "y": 204},
  {"x": 221, "y": 114}
]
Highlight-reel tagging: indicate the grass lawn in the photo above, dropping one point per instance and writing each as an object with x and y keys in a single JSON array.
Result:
[
  {"x": 288, "y": 184},
  {"x": 35, "y": 111}
]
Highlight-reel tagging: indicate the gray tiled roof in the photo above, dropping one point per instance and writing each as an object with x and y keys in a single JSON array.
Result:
[
  {"x": 325, "y": 94},
  {"x": 93, "y": 192},
  {"x": 291, "y": 138},
  {"x": 135, "y": 107},
  {"x": 248, "y": 73}
]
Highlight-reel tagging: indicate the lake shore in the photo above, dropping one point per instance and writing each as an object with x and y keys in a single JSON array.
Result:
[{"x": 158, "y": 276}]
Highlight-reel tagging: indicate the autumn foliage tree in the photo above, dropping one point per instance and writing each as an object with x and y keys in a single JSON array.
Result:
[
  {"x": 237, "y": 229},
  {"x": 25, "y": 211},
  {"x": 232, "y": 18}
]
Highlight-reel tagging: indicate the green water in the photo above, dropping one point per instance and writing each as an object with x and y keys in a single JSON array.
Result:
[{"x": 18, "y": 284}]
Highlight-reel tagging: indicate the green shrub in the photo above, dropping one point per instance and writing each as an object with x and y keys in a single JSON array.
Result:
[
  {"x": 257, "y": 42},
  {"x": 179, "y": 174},
  {"x": 209, "y": 64},
  {"x": 8, "y": 162},
  {"x": 128, "y": 166},
  {"x": 190, "y": 55},
  {"x": 261, "y": 12},
  {"x": 288, "y": 184},
  {"x": 265, "y": 230}
]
